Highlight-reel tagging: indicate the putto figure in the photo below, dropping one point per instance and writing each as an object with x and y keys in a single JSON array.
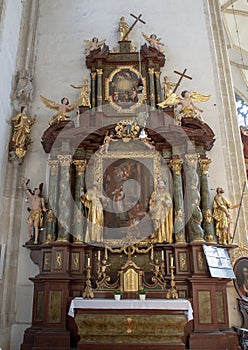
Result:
[
  {"x": 93, "y": 45},
  {"x": 21, "y": 133},
  {"x": 63, "y": 108},
  {"x": 222, "y": 216},
  {"x": 35, "y": 219},
  {"x": 154, "y": 41}
]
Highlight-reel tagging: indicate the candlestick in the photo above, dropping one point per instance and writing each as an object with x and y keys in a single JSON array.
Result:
[
  {"x": 99, "y": 255},
  {"x": 162, "y": 255},
  {"x": 88, "y": 261},
  {"x": 172, "y": 261}
]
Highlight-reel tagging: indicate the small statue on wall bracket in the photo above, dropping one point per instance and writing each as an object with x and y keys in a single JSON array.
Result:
[
  {"x": 63, "y": 108},
  {"x": 20, "y": 139}
]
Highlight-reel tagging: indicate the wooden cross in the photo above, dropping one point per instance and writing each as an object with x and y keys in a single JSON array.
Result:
[
  {"x": 137, "y": 19},
  {"x": 183, "y": 75}
]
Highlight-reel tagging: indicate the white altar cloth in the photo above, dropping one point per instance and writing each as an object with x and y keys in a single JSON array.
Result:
[{"x": 132, "y": 304}]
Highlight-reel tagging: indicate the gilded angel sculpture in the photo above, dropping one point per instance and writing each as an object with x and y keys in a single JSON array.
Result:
[
  {"x": 62, "y": 108},
  {"x": 154, "y": 41},
  {"x": 93, "y": 44},
  {"x": 188, "y": 108}
]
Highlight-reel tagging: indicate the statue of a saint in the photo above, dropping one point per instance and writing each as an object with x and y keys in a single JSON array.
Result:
[
  {"x": 35, "y": 219},
  {"x": 94, "y": 201},
  {"x": 63, "y": 108},
  {"x": 222, "y": 216},
  {"x": 84, "y": 93},
  {"x": 123, "y": 28},
  {"x": 21, "y": 132},
  {"x": 161, "y": 213}
]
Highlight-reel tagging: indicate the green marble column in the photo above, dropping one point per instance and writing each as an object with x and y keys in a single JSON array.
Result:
[
  {"x": 99, "y": 89},
  {"x": 78, "y": 220},
  {"x": 179, "y": 222},
  {"x": 205, "y": 201},
  {"x": 93, "y": 89},
  {"x": 151, "y": 87},
  {"x": 64, "y": 198},
  {"x": 51, "y": 214},
  {"x": 158, "y": 87},
  {"x": 194, "y": 214}
]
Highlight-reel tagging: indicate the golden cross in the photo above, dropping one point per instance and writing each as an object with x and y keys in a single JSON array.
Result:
[
  {"x": 137, "y": 19},
  {"x": 183, "y": 75}
]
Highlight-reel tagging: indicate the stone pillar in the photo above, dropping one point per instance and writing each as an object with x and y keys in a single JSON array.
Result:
[
  {"x": 51, "y": 215},
  {"x": 93, "y": 89},
  {"x": 205, "y": 201},
  {"x": 99, "y": 89},
  {"x": 194, "y": 214},
  {"x": 64, "y": 198},
  {"x": 158, "y": 87},
  {"x": 179, "y": 222},
  {"x": 78, "y": 221},
  {"x": 151, "y": 87}
]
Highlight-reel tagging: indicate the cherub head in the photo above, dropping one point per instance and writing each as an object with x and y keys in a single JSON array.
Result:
[
  {"x": 23, "y": 109},
  {"x": 95, "y": 39},
  {"x": 64, "y": 101},
  {"x": 153, "y": 36},
  {"x": 185, "y": 93}
]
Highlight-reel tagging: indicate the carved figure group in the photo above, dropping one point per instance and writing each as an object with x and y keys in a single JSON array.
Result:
[{"x": 21, "y": 132}]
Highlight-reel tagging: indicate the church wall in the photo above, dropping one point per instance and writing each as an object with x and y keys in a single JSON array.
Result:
[
  {"x": 11, "y": 12},
  {"x": 61, "y": 62}
]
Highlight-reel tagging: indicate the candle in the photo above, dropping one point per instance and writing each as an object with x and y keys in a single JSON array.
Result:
[
  {"x": 99, "y": 255},
  {"x": 172, "y": 260},
  {"x": 88, "y": 261},
  {"x": 162, "y": 255}
]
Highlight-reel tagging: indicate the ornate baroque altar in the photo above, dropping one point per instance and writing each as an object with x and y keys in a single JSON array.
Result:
[{"x": 123, "y": 146}]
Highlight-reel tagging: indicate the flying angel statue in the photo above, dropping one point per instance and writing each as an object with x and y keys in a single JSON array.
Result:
[
  {"x": 62, "y": 108},
  {"x": 93, "y": 45},
  {"x": 154, "y": 41},
  {"x": 188, "y": 108}
]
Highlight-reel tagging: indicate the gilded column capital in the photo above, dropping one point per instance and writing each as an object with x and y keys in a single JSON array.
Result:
[
  {"x": 54, "y": 166},
  {"x": 93, "y": 75},
  {"x": 157, "y": 74},
  {"x": 99, "y": 71},
  {"x": 192, "y": 159},
  {"x": 151, "y": 70},
  {"x": 80, "y": 165},
  {"x": 204, "y": 165},
  {"x": 64, "y": 160},
  {"x": 176, "y": 165}
]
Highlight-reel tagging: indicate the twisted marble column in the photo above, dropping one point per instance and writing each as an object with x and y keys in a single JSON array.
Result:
[
  {"x": 194, "y": 214},
  {"x": 51, "y": 215},
  {"x": 78, "y": 220},
  {"x": 151, "y": 87},
  {"x": 93, "y": 89},
  {"x": 205, "y": 201},
  {"x": 179, "y": 221},
  {"x": 64, "y": 197},
  {"x": 99, "y": 88}
]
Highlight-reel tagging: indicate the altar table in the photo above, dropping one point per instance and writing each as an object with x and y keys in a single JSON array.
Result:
[{"x": 131, "y": 324}]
